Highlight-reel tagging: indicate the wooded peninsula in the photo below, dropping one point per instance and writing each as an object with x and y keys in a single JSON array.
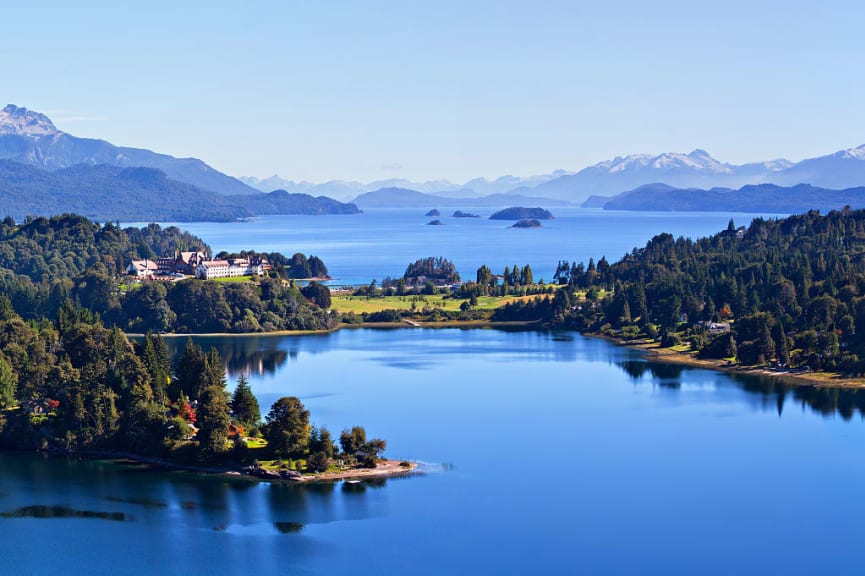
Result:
[{"x": 786, "y": 295}]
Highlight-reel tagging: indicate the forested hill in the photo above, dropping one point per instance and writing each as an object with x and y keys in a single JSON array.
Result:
[
  {"x": 792, "y": 290},
  {"x": 106, "y": 192},
  {"x": 45, "y": 249},
  {"x": 49, "y": 264},
  {"x": 282, "y": 202}
]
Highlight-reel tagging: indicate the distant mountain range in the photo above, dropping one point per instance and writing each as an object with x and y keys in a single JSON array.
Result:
[
  {"x": 350, "y": 189},
  {"x": 766, "y": 198},
  {"x": 45, "y": 171},
  {"x": 698, "y": 169},
  {"x": 404, "y": 198},
  {"x": 31, "y": 138}
]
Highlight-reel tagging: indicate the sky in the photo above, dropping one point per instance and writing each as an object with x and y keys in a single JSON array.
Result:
[{"x": 446, "y": 89}]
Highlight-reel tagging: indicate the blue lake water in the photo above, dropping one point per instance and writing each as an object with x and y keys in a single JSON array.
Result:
[
  {"x": 548, "y": 452},
  {"x": 380, "y": 243}
]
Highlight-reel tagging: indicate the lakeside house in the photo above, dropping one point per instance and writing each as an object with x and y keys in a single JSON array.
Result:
[
  {"x": 714, "y": 328},
  {"x": 142, "y": 269}
]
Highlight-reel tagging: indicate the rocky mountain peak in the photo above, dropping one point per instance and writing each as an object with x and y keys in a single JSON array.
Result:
[{"x": 23, "y": 122}]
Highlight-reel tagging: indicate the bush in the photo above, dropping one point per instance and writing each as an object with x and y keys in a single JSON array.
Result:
[
  {"x": 670, "y": 339},
  {"x": 383, "y": 316},
  {"x": 650, "y": 331},
  {"x": 240, "y": 451},
  {"x": 318, "y": 462},
  {"x": 630, "y": 331},
  {"x": 722, "y": 346},
  {"x": 697, "y": 342}
]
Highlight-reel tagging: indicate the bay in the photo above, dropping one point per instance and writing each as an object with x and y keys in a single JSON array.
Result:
[{"x": 544, "y": 451}]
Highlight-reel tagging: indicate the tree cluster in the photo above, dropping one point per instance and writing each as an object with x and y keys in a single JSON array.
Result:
[{"x": 436, "y": 270}]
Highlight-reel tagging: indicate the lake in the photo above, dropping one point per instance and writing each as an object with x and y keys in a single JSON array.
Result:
[
  {"x": 545, "y": 452},
  {"x": 380, "y": 243}
]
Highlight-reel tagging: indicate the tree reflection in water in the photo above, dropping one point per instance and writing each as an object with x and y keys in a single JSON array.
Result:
[{"x": 824, "y": 400}]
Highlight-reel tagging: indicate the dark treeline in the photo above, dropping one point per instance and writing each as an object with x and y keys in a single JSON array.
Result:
[
  {"x": 45, "y": 262},
  {"x": 45, "y": 249},
  {"x": 75, "y": 385},
  {"x": 790, "y": 292}
]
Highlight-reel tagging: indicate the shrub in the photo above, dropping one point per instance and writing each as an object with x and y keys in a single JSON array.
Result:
[{"x": 318, "y": 462}]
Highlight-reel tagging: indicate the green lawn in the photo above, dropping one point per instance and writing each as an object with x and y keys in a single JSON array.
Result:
[
  {"x": 360, "y": 304},
  {"x": 233, "y": 279},
  {"x": 256, "y": 442}
]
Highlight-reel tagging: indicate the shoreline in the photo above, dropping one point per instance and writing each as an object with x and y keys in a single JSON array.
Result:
[
  {"x": 374, "y": 325},
  {"x": 652, "y": 350},
  {"x": 654, "y": 353},
  {"x": 385, "y": 468}
]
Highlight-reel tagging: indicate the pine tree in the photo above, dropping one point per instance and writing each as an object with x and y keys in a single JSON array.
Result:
[
  {"x": 287, "y": 428},
  {"x": 213, "y": 421},
  {"x": 189, "y": 372},
  {"x": 244, "y": 405}
]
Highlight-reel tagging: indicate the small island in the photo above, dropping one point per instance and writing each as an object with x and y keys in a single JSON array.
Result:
[
  {"x": 461, "y": 214},
  {"x": 435, "y": 223},
  {"x": 433, "y": 212},
  {"x": 521, "y": 213},
  {"x": 529, "y": 223}
]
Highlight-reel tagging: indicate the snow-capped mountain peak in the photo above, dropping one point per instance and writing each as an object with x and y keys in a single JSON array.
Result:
[
  {"x": 858, "y": 153},
  {"x": 697, "y": 160},
  {"x": 24, "y": 122}
]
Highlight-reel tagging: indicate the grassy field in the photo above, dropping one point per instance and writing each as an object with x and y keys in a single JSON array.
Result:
[
  {"x": 360, "y": 304},
  {"x": 233, "y": 279}
]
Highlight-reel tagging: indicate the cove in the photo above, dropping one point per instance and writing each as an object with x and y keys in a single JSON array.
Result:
[{"x": 546, "y": 452}]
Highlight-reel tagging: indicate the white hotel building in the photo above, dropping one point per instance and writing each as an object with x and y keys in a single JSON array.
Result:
[{"x": 210, "y": 269}]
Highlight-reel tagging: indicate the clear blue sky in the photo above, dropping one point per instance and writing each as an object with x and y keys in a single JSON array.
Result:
[{"x": 422, "y": 89}]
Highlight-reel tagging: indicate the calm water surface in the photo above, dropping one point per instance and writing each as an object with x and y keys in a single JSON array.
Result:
[
  {"x": 548, "y": 453},
  {"x": 380, "y": 243}
]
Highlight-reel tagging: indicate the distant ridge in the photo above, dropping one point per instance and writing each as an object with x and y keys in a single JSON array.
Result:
[
  {"x": 31, "y": 138},
  {"x": 696, "y": 169},
  {"x": 767, "y": 198},
  {"x": 349, "y": 189},
  {"x": 106, "y": 192},
  {"x": 282, "y": 202},
  {"x": 404, "y": 198}
]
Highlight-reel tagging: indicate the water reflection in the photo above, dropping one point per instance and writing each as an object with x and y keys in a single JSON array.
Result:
[
  {"x": 61, "y": 512},
  {"x": 145, "y": 502},
  {"x": 427, "y": 349},
  {"x": 665, "y": 375},
  {"x": 288, "y": 527},
  {"x": 241, "y": 354},
  {"x": 774, "y": 392}
]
